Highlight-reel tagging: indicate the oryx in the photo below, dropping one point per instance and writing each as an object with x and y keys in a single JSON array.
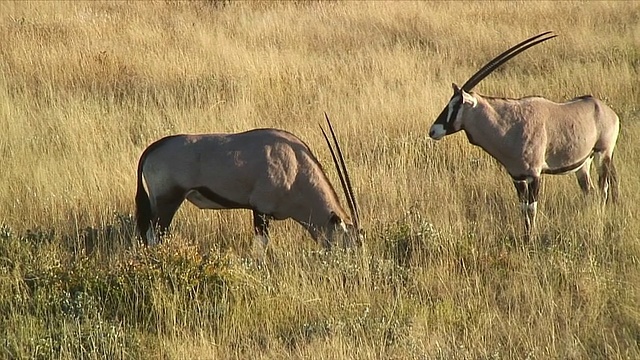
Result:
[
  {"x": 531, "y": 136},
  {"x": 269, "y": 171}
]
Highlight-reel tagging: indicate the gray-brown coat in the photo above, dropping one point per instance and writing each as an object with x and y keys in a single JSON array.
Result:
[{"x": 269, "y": 171}]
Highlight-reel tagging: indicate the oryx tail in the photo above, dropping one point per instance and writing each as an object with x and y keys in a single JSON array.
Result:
[
  {"x": 143, "y": 206},
  {"x": 144, "y": 211}
]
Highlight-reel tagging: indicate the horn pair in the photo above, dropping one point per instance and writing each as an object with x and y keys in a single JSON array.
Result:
[
  {"x": 341, "y": 168},
  {"x": 504, "y": 57}
]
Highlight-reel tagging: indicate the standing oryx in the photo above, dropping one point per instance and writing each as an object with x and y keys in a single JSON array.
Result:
[
  {"x": 269, "y": 171},
  {"x": 532, "y": 135}
]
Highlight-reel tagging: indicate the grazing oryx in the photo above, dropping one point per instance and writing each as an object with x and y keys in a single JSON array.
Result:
[
  {"x": 532, "y": 135},
  {"x": 269, "y": 171}
]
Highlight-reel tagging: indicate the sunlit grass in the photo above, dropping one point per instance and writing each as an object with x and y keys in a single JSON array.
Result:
[{"x": 444, "y": 272}]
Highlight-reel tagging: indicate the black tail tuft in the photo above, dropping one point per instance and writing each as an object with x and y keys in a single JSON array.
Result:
[{"x": 143, "y": 208}]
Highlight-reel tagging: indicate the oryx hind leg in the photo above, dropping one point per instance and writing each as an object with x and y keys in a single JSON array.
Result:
[
  {"x": 584, "y": 179},
  {"x": 607, "y": 178},
  {"x": 166, "y": 208}
]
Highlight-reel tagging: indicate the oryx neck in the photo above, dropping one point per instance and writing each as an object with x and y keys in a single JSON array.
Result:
[{"x": 484, "y": 126}]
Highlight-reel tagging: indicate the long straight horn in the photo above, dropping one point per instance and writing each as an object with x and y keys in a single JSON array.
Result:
[
  {"x": 504, "y": 57},
  {"x": 344, "y": 168},
  {"x": 343, "y": 174}
]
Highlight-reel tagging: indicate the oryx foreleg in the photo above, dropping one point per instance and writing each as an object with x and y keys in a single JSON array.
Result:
[
  {"x": 528, "y": 190},
  {"x": 261, "y": 228}
]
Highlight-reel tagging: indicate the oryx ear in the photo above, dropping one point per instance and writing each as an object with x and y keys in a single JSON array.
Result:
[
  {"x": 469, "y": 99},
  {"x": 334, "y": 219},
  {"x": 455, "y": 87}
]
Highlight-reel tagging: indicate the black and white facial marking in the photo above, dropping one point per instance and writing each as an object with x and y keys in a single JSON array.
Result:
[{"x": 450, "y": 119}]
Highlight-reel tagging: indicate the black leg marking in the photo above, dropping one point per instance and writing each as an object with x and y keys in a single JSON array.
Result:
[
  {"x": 608, "y": 180},
  {"x": 523, "y": 190},
  {"x": 585, "y": 184},
  {"x": 523, "y": 196},
  {"x": 584, "y": 180},
  {"x": 261, "y": 223},
  {"x": 528, "y": 189},
  {"x": 261, "y": 229},
  {"x": 534, "y": 190}
]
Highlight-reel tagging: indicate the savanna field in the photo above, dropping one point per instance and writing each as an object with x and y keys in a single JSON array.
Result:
[{"x": 444, "y": 272}]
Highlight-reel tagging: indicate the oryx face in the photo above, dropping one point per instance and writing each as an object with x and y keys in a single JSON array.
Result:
[
  {"x": 450, "y": 119},
  {"x": 344, "y": 234},
  {"x": 353, "y": 237}
]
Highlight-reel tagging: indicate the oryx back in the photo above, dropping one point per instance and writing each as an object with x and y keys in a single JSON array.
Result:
[{"x": 534, "y": 135}]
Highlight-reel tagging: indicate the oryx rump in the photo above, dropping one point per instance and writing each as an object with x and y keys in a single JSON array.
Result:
[
  {"x": 269, "y": 171},
  {"x": 531, "y": 136}
]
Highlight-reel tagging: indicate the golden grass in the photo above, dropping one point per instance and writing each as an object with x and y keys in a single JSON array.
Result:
[{"x": 85, "y": 86}]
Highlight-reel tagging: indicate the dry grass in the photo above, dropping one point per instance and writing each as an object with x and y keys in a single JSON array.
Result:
[{"x": 85, "y": 86}]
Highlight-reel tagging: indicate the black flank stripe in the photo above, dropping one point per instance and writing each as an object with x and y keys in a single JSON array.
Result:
[
  {"x": 567, "y": 168},
  {"x": 561, "y": 170},
  {"x": 212, "y": 196}
]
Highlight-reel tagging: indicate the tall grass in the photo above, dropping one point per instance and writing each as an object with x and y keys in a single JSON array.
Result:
[{"x": 444, "y": 273}]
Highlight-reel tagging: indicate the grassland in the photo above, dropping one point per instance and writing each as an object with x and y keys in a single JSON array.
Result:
[{"x": 443, "y": 274}]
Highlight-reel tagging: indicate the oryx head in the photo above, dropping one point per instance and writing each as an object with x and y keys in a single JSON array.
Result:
[
  {"x": 450, "y": 119},
  {"x": 345, "y": 231}
]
